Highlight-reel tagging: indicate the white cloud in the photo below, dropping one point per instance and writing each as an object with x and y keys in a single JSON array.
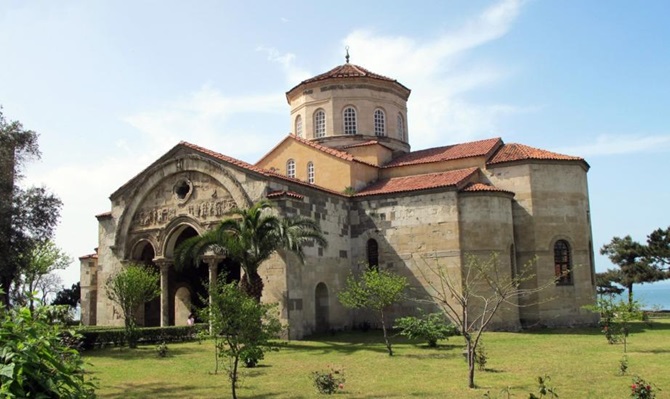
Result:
[
  {"x": 620, "y": 144},
  {"x": 294, "y": 74},
  {"x": 439, "y": 112}
]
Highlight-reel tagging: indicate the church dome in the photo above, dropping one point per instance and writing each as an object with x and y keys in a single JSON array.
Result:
[{"x": 349, "y": 105}]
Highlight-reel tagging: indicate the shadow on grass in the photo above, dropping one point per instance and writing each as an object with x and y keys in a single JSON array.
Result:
[
  {"x": 636, "y": 328},
  {"x": 141, "y": 352}
]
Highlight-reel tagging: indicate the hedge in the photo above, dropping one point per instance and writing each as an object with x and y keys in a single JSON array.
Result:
[{"x": 99, "y": 337}]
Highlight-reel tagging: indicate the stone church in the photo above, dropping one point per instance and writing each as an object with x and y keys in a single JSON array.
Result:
[{"x": 347, "y": 163}]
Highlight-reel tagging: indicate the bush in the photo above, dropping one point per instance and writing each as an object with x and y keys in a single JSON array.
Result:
[
  {"x": 641, "y": 389},
  {"x": 428, "y": 327},
  {"x": 162, "y": 349},
  {"x": 328, "y": 382},
  {"x": 34, "y": 362}
]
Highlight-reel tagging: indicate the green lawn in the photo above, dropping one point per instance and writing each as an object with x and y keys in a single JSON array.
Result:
[{"x": 579, "y": 361}]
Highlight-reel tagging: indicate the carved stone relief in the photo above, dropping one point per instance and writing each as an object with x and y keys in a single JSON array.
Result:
[{"x": 191, "y": 194}]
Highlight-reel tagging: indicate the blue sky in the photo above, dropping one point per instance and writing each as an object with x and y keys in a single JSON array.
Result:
[{"x": 112, "y": 85}]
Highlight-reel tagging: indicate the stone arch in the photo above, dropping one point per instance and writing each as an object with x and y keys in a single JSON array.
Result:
[
  {"x": 321, "y": 308},
  {"x": 173, "y": 231},
  {"x": 141, "y": 186},
  {"x": 143, "y": 250}
]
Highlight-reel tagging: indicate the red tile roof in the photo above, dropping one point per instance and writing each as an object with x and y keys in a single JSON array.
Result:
[
  {"x": 453, "y": 178},
  {"x": 104, "y": 215},
  {"x": 483, "y": 187},
  {"x": 250, "y": 167},
  {"x": 517, "y": 152},
  {"x": 90, "y": 256},
  {"x": 284, "y": 193},
  {"x": 328, "y": 150},
  {"x": 347, "y": 71},
  {"x": 450, "y": 152},
  {"x": 222, "y": 157}
]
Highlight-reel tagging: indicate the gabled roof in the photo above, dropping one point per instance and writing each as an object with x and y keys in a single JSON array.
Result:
[
  {"x": 483, "y": 187},
  {"x": 327, "y": 150},
  {"x": 517, "y": 152},
  {"x": 366, "y": 144},
  {"x": 453, "y": 178},
  {"x": 284, "y": 193},
  {"x": 226, "y": 158},
  {"x": 481, "y": 148}
]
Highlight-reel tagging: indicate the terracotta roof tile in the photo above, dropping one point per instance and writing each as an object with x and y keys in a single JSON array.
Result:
[
  {"x": 483, "y": 187},
  {"x": 222, "y": 157},
  {"x": 284, "y": 193},
  {"x": 328, "y": 150},
  {"x": 90, "y": 256},
  {"x": 450, "y": 152},
  {"x": 347, "y": 71},
  {"x": 104, "y": 215},
  {"x": 453, "y": 178},
  {"x": 516, "y": 152}
]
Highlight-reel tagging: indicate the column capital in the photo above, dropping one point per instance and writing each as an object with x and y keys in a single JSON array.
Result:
[
  {"x": 212, "y": 259},
  {"x": 162, "y": 262}
]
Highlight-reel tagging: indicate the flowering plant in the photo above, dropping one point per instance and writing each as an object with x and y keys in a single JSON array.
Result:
[
  {"x": 641, "y": 389},
  {"x": 328, "y": 382}
]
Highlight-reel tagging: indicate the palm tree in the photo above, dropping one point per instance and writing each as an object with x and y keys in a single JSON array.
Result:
[{"x": 250, "y": 237}]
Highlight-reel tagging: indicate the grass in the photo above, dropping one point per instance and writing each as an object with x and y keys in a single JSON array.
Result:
[{"x": 580, "y": 362}]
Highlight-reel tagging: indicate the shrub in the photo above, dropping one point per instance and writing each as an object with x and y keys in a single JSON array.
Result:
[
  {"x": 162, "y": 349},
  {"x": 428, "y": 327},
  {"x": 481, "y": 357},
  {"x": 641, "y": 389},
  {"x": 328, "y": 382},
  {"x": 35, "y": 362}
]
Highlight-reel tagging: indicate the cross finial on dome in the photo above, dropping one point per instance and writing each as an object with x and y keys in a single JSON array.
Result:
[{"x": 347, "y": 56}]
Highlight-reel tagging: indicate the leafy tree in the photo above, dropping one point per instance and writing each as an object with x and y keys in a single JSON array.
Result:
[
  {"x": 250, "y": 237},
  {"x": 473, "y": 297},
  {"x": 634, "y": 267},
  {"x": 68, "y": 296},
  {"x": 37, "y": 276},
  {"x": 616, "y": 317},
  {"x": 234, "y": 318},
  {"x": 27, "y": 216},
  {"x": 129, "y": 288},
  {"x": 34, "y": 362},
  {"x": 658, "y": 248},
  {"x": 605, "y": 283},
  {"x": 428, "y": 327},
  {"x": 375, "y": 290}
]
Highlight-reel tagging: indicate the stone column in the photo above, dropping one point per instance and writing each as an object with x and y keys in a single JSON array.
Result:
[
  {"x": 164, "y": 265},
  {"x": 212, "y": 262}
]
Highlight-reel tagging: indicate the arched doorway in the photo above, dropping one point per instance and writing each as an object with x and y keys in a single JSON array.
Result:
[
  {"x": 187, "y": 285},
  {"x": 150, "y": 314},
  {"x": 322, "y": 308}
]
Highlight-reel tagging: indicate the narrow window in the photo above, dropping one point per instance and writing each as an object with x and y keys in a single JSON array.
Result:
[
  {"x": 310, "y": 173},
  {"x": 401, "y": 127},
  {"x": 298, "y": 126},
  {"x": 373, "y": 254},
  {"x": 380, "y": 123},
  {"x": 319, "y": 123},
  {"x": 562, "y": 262},
  {"x": 349, "y": 120},
  {"x": 290, "y": 168}
]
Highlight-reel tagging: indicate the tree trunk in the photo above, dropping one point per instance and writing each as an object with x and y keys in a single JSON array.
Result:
[
  {"x": 630, "y": 296},
  {"x": 470, "y": 349},
  {"x": 233, "y": 376},
  {"x": 386, "y": 338},
  {"x": 252, "y": 285}
]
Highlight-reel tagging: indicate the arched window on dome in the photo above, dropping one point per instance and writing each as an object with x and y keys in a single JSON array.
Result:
[
  {"x": 290, "y": 168},
  {"x": 310, "y": 172},
  {"x": 349, "y": 120},
  {"x": 401, "y": 127},
  {"x": 562, "y": 262},
  {"x": 319, "y": 123},
  {"x": 380, "y": 123},
  {"x": 298, "y": 126}
]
